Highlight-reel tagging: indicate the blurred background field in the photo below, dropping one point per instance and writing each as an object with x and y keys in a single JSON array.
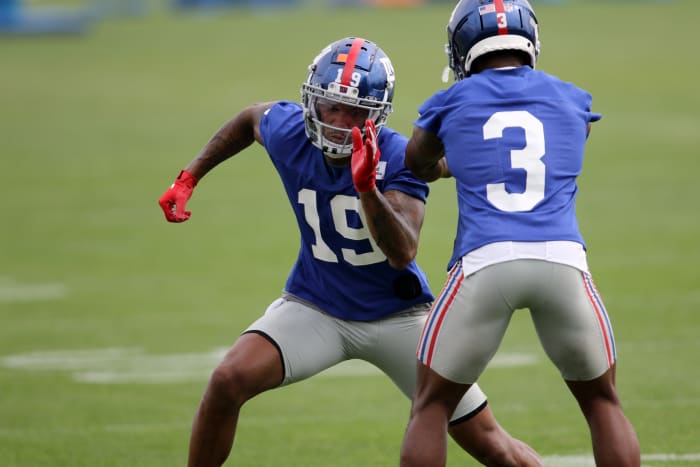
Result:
[{"x": 111, "y": 318}]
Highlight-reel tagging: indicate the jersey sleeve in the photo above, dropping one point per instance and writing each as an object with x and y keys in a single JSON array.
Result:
[
  {"x": 429, "y": 115},
  {"x": 279, "y": 127},
  {"x": 392, "y": 174},
  {"x": 587, "y": 100}
]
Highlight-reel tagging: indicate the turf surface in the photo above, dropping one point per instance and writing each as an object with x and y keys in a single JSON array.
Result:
[{"x": 93, "y": 128}]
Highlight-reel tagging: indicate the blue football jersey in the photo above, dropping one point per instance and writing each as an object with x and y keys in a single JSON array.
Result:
[
  {"x": 339, "y": 268},
  {"x": 514, "y": 140}
]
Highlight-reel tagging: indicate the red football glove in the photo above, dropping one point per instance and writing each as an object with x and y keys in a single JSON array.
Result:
[
  {"x": 175, "y": 198},
  {"x": 365, "y": 157}
]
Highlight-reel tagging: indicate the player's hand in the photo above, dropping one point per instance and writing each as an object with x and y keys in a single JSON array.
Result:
[
  {"x": 365, "y": 157},
  {"x": 175, "y": 198}
]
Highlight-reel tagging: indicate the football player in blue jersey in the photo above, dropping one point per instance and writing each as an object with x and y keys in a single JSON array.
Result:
[
  {"x": 513, "y": 138},
  {"x": 355, "y": 291}
]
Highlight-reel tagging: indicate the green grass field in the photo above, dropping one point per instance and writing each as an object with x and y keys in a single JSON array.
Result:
[{"x": 111, "y": 318}]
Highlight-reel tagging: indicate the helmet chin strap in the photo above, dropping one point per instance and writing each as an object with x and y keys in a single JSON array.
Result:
[{"x": 340, "y": 162}]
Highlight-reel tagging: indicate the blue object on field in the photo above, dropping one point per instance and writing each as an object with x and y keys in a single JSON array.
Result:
[
  {"x": 9, "y": 10},
  {"x": 16, "y": 19}
]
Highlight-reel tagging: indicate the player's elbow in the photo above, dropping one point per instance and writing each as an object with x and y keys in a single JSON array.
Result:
[
  {"x": 413, "y": 164},
  {"x": 423, "y": 172},
  {"x": 402, "y": 259},
  {"x": 423, "y": 154}
]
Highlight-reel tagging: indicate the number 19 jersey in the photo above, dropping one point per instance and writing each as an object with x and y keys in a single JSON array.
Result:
[{"x": 340, "y": 269}]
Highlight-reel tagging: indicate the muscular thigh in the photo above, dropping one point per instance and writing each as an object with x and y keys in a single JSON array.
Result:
[
  {"x": 471, "y": 316},
  {"x": 308, "y": 340},
  {"x": 391, "y": 346},
  {"x": 393, "y": 350},
  {"x": 311, "y": 341},
  {"x": 573, "y": 325},
  {"x": 466, "y": 324}
]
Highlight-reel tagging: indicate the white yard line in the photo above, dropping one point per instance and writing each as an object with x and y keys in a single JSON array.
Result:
[
  {"x": 133, "y": 365},
  {"x": 648, "y": 460},
  {"x": 362, "y": 368},
  {"x": 14, "y": 292}
]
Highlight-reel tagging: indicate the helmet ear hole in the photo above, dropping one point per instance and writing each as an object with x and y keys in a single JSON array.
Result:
[{"x": 353, "y": 72}]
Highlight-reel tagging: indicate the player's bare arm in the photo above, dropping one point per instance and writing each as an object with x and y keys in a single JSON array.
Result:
[
  {"x": 394, "y": 219},
  {"x": 236, "y": 135},
  {"x": 425, "y": 156},
  {"x": 232, "y": 138}
]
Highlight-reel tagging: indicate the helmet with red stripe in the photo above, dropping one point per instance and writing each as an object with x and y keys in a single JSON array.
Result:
[
  {"x": 353, "y": 72},
  {"x": 479, "y": 27}
]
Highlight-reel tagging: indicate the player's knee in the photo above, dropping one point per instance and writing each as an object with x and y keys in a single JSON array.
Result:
[
  {"x": 232, "y": 384},
  {"x": 597, "y": 394}
]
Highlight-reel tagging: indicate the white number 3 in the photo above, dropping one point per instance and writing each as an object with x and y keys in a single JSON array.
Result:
[
  {"x": 502, "y": 20},
  {"x": 528, "y": 158}
]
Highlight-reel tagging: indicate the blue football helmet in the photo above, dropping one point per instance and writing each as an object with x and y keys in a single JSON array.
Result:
[
  {"x": 352, "y": 71},
  {"x": 478, "y": 27}
]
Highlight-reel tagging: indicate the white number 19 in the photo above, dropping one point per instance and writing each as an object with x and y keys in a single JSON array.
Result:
[{"x": 340, "y": 205}]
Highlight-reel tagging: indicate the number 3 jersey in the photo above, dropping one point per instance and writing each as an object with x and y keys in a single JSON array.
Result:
[
  {"x": 340, "y": 269},
  {"x": 514, "y": 140}
]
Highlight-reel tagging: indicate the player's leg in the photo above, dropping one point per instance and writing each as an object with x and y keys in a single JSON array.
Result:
[
  {"x": 614, "y": 440},
  {"x": 434, "y": 401},
  {"x": 487, "y": 441},
  {"x": 472, "y": 423},
  {"x": 459, "y": 340},
  {"x": 425, "y": 441},
  {"x": 575, "y": 331},
  {"x": 289, "y": 343},
  {"x": 252, "y": 366},
  {"x": 479, "y": 433}
]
